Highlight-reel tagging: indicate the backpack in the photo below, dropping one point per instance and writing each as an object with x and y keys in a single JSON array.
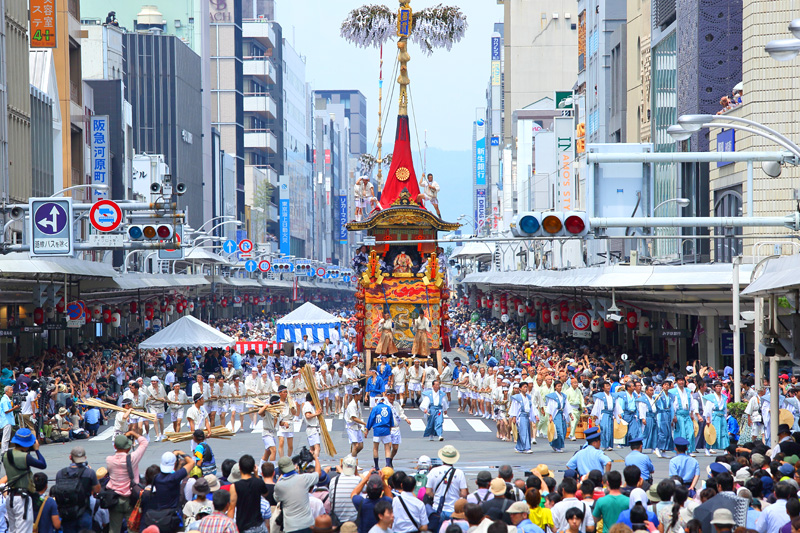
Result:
[
  {"x": 71, "y": 492},
  {"x": 422, "y": 480},
  {"x": 209, "y": 466}
]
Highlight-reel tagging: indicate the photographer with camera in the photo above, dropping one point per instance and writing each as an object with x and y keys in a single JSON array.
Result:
[
  {"x": 7, "y": 420},
  {"x": 292, "y": 491}
]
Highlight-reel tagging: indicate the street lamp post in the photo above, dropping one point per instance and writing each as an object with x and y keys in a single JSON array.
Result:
[
  {"x": 212, "y": 220},
  {"x": 95, "y": 186},
  {"x": 682, "y": 202}
]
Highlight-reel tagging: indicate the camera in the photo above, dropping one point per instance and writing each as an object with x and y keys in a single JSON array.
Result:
[
  {"x": 303, "y": 459},
  {"x": 613, "y": 317}
]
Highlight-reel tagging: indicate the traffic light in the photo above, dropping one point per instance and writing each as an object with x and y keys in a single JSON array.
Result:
[
  {"x": 550, "y": 224},
  {"x": 150, "y": 232},
  {"x": 526, "y": 224}
]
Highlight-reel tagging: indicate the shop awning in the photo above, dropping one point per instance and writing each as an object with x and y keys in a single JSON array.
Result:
[
  {"x": 473, "y": 249},
  {"x": 22, "y": 265},
  {"x": 779, "y": 275}
]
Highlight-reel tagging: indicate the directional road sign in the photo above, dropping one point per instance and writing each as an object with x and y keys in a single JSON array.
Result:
[
  {"x": 105, "y": 215},
  {"x": 229, "y": 246},
  {"x": 251, "y": 266},
  {"x": 264, "y": 265},
  {"x": 51, "y": 226},
  {"x": 245, "y": 246}
]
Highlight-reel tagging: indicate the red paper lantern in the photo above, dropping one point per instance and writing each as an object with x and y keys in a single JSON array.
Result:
[
  {"x": 148, "y": 314},
  {"x": 224, "y": 302},
  {"x": 38, "y": 316},
  {"x": 609, "y": 324},
  {"x": 546, "y": 315},
  {"x": 631, "y": 319},
  {"x": 107, "y": 316},
  {"x": 134, "y": 307},
  {"x": 564, "y": 314},
  {"x": 60, "y": 305}
]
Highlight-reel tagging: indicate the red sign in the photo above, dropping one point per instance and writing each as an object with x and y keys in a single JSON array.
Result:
[
  {"x": 245, "y": 246},
  {"x": 105, "y": 215},
  {"x": 264, "y": 265},
  {"x": 581, "y": 321},
  {"x": 327, "y": 157}
]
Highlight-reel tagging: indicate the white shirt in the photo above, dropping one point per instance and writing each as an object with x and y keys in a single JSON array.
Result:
[
  {"x": 199, "y": 416},
  {"x": 27, "y": 405},
  {"x": 402, "y": 522},
  {"x": 559, "y": 512},
  {"x": 453, "y": 493},
  {"x": 312, "y": 422},
  {"x": 352, "y": 411}
]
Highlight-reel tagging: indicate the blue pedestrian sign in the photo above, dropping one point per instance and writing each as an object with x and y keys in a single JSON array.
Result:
[
  {"x": 230, "y": 246},
  {"x": 251, "y": 266},
  {"x": 51, "y": 226}
]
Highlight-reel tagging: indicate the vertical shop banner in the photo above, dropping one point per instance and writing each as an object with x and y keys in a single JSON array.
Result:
[
  {"x": 285, "y": 220},
  {"x": 565, "y": 156},
  {"x": 101, "y": 173},
  {"x": 343, "y": 218},
  {"x": 43, "y": 23}
]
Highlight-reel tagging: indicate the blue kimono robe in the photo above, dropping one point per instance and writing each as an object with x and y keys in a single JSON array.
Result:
[
  {"x": 606, "y": 419},
  {"x": 630, "y": 414},
  {"x": 559, "y": 419},
  {"x": 718, "y": 414},
  {"x": 665, "y": 413},
  {"x": 433, "y": 428},
  {"x": 523, "y": 421},
  {"x": 650, "y": 430},
  {"x": 683, "y": 412}
]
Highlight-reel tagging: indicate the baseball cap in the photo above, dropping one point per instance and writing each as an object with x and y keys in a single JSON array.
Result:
[
  {"x": 497, "y": 487},
  {"x": 167, "y": 465},
  {"x": 78, "y": 455},
  {"x": 518, "y": 507},
  {"x": 122, "y": 442},
  {"x": 349, "y": 465},
  {"x": 285, "y": 465}
]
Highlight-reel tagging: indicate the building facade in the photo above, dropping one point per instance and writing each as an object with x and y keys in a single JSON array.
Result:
[{"x": 162, "y": 84}]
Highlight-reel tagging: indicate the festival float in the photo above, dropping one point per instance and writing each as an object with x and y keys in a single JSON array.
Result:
[{"x": 402, "y": 295}]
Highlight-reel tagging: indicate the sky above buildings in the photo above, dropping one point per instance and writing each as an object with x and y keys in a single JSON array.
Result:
[{"x": 446, "y": 87}]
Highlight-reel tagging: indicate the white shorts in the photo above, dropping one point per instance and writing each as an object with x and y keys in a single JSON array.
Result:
[
  {"x": 176, "y": 415},
  {"x": 348, "y": 389},
  {"x": 222, "y": 407},
  {"x": 447, "y": 389},
  {"x": 416, "y": 387},
  {"x": 285, "y": 433},
  {"x": 386, "y": 439},
  {"x": 400, "y": 388},
  {"x": 134, "y": 419},
  {"x": 237, "y": 407},
  {"x": 269, "y": 441},
  {"x": 373, "y": 400},
  {"x": 396, "y": 437},
  {"x": 355, "y": 435},
  {"x": 313, "y": 436}
]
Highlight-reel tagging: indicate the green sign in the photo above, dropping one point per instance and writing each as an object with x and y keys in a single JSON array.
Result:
[
  {"x": 475, "y": 317},
  {"x": 523, "y": 333},
  {"x": 563, "y": 99}
]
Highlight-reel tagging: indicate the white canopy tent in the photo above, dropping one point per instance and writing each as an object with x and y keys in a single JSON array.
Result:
[
  {"x": 188, "y": 332},
  {"x": 308, "y": 319}
]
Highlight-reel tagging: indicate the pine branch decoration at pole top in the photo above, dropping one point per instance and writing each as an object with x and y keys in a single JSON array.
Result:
[{"x": 431, "y": 28}]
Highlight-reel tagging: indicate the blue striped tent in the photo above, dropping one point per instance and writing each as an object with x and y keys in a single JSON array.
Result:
[{"x": 308, "y": 319}]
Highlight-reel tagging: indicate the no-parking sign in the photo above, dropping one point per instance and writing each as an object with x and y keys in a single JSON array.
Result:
[
  {"x": 105, "y": 215},
  {"x": 581, "y": 321}
]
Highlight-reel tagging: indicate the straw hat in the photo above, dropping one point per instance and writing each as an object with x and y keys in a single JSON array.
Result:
[
  {"x": 710, "y": 433},
  {"x": 785, "y": 417},
  {"x": 620, "y": 430},
  {"x": 696, "y": 428},
  {"x": 551, "y": 431}
]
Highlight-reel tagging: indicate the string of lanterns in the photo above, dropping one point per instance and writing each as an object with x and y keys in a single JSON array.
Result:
[{"x": 552, "y": 312}]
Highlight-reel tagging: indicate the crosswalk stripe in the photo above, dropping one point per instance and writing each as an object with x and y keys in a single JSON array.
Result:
[
  {"x": 478, "y": 426},
  {"x": 449, "y": 425},
  {"x": 104, "y": 435},
  {"x": 417, "y": 425}
]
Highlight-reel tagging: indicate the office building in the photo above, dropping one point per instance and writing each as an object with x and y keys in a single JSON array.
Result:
[{"x": 162, "y": 84}]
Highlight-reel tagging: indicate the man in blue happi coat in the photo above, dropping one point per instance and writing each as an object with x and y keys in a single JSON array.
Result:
[{"x": 380, "y": 421}]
